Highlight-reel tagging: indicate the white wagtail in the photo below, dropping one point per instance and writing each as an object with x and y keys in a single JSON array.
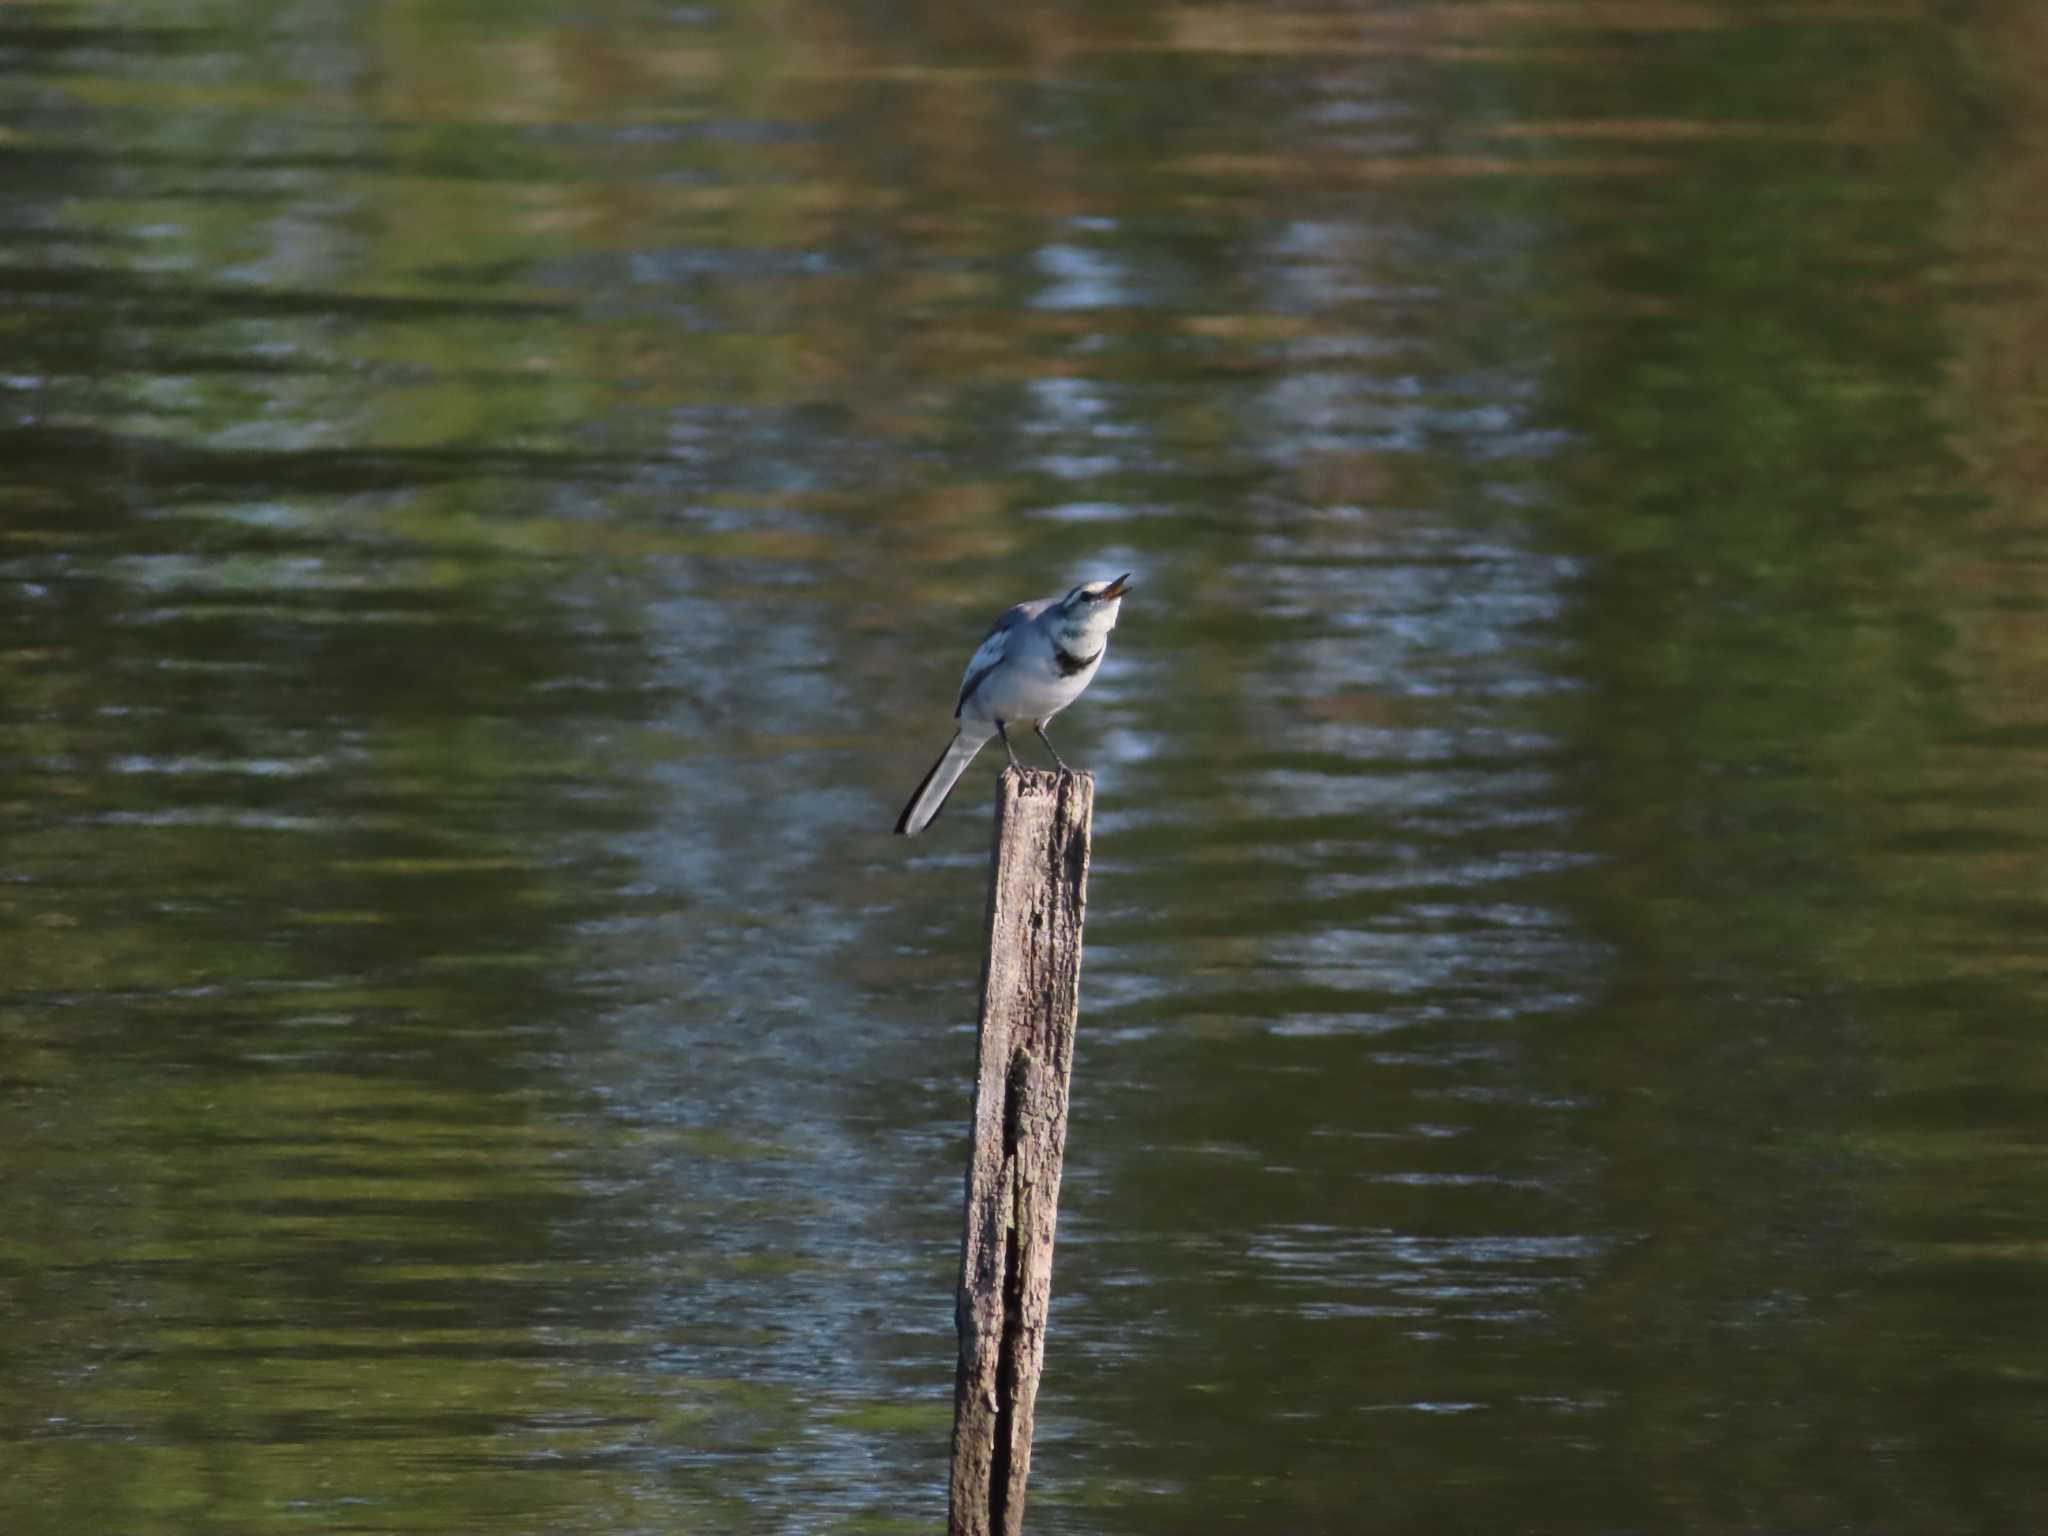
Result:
[{"x": 1036, "y": 661}]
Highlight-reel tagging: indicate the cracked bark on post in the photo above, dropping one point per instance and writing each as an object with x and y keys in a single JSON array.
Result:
[{"x": 1030, "y": 995}]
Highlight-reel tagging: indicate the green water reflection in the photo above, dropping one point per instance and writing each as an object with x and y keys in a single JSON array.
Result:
[{"x": 493, "y": 500}]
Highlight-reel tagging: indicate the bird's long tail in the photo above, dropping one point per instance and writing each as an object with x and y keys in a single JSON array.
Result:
[{"x": 930, "y": 796}]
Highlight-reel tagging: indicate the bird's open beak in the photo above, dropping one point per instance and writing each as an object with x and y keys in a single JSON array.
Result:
[{"x": 1118, "y": 587}]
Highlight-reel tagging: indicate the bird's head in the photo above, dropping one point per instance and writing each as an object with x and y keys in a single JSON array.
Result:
[{"x": 1089, "y": 611}]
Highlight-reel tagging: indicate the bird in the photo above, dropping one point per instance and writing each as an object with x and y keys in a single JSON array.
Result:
[{"x": 1035, "y": 660}]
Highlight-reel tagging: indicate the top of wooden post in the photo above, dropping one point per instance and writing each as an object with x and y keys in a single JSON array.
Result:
[{"x": 1040, "y": 807}]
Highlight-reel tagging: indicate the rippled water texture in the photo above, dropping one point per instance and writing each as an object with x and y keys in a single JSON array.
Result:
[{"x": 494, "y": 500}]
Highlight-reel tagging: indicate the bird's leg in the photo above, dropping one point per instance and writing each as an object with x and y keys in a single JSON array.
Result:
[
  {"x": 1039, "y": 726},
  {"x": 1006, "y": 745}
]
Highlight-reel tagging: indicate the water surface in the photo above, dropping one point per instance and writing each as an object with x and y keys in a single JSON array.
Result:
[{"x": 493, "y": 503}]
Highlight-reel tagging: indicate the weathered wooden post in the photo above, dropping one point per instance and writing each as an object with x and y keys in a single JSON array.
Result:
[{"x": 1030, "y": 995}]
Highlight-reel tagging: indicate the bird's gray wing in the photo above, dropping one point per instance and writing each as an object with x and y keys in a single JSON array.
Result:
[{"x": 994, "y": 646}]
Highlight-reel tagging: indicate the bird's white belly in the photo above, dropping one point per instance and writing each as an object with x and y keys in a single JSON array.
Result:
[{"x": 1029, "y": 694}]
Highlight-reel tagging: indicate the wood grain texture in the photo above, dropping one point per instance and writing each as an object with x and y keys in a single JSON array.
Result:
[{"x": 1030, "y": 999}]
